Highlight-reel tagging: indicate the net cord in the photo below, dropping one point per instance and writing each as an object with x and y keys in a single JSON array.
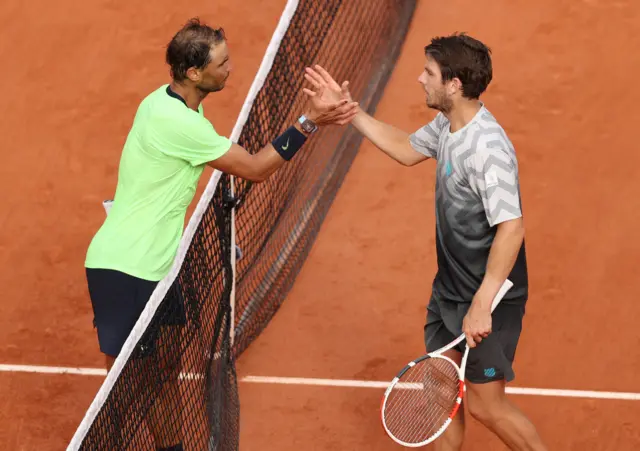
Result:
[{"x": 163, "y": 286}]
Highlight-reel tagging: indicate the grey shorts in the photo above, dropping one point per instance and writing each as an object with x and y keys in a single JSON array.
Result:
[{"x": 492, "y": 359}]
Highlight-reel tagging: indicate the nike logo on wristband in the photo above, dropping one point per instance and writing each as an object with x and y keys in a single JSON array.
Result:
[{"x": 287, "y": 146}]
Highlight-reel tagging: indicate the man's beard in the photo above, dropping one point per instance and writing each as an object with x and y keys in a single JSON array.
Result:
[
  {"x": 209, "y": 88},
  {"x": 441, "y": 103}
]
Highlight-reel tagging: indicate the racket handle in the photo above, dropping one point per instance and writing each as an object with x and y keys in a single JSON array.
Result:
[{"x": 506, "y": 286}]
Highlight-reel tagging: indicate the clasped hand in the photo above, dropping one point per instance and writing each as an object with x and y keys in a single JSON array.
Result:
[
  {"x": 328, "y": 102},
  {"x": 476, "y": 324}
]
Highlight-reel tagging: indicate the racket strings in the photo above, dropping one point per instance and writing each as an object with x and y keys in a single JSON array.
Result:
[{"x": 422, "y": 400}]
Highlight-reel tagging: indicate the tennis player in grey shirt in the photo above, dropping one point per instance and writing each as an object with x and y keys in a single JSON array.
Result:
[{"x": 479, "y": 229}]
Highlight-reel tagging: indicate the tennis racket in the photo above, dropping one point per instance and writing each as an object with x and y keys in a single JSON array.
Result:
[{"x": 422, "y": 400}]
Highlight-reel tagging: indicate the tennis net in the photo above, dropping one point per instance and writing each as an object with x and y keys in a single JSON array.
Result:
[{"x": 175, "y": 378}]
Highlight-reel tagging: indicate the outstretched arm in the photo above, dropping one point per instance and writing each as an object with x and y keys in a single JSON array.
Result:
[
  {"x": 258, "y": 167},
  {"x": 391, "y": 140}
]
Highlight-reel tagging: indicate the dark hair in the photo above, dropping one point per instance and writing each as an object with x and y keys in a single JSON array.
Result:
[
  {"x": 191, "y": 47},
  {"x": 463, "y": 57}
]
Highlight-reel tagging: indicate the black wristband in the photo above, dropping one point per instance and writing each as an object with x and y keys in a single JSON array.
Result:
[{"x": 289, "y": 142}]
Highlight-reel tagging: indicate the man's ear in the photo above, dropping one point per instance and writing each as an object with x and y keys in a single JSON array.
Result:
[
  {"x": 455, "y": 86},
  {"x": 193, "y": 74}
]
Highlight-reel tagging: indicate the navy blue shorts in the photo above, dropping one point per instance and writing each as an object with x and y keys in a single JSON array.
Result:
[{"x": 118, "y": 299}]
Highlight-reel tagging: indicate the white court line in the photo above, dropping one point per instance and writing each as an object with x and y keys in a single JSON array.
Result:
[
  {"x": 52, "y": 370},
  {"x": 510, "y": 390},
  {"x": 331, "y": 382},
  {"x": 78, "y": 371}
]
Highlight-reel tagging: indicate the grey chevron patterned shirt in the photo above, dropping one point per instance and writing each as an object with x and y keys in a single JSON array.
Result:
[{"x": 477, "y": 187}]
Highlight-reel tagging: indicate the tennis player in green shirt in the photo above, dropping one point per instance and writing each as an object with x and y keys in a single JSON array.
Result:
[{"x": 165, "y": 153}]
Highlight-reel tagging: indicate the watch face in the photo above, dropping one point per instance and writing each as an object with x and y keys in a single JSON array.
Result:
[{"x": 309, "y": 126}]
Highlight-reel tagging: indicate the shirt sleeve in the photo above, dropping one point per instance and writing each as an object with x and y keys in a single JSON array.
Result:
[
  {"x": 493, "y": 175},
  {"x": 191, "y": 138},
  {"x": 425, "y": 140}
]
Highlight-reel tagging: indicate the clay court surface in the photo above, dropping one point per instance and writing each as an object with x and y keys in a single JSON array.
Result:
[{"x": 565, "y": 88}]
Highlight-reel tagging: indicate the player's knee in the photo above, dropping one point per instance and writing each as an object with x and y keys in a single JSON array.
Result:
[
  {"x": 485, "y": 409},
  {"x": 480, "y": 412},
  {"x": 453, "y": 436}
]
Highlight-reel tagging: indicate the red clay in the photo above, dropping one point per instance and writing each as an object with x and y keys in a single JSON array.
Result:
[{"x": 564, "y": 89}]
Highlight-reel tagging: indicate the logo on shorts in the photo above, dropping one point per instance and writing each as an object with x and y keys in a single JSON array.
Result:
[{"x": 489, "y": 372}]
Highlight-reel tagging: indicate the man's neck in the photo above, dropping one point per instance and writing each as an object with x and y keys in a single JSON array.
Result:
[
  {"x": 463, "y": 113},
  {"x": 191, "y": 95}
]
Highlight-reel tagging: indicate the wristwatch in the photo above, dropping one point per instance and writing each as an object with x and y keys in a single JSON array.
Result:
[{"x": 307, "y": 124}]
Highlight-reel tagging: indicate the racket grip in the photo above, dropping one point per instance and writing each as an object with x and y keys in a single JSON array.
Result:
[{"x": 506, "y": 286}]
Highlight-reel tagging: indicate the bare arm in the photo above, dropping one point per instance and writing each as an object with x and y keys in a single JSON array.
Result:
[
  {"x": 391, "y": 140},
  {"x": 254, "y": 167},
  {"x": 258, "y": 167},
  {"x": 477, "y": 323},
  {"x": 502, "y": 257}
]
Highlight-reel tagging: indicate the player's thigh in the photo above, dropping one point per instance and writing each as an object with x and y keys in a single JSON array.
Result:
[
  {"x": 492, "y": 359},
  {"x": 436, "y": 332},
  {"x": 160, "y": 343},
  {"x": 117, "y": 305}
]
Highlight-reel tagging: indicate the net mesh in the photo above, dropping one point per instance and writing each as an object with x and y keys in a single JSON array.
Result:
[
  {"x": 278, "y": 219},
  {"x": 175, "y": 380}
]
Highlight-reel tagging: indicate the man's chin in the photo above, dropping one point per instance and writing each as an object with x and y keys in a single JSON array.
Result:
[
  {"x": 433, "y": 106},
  {"x": 210, "y": 89}
]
